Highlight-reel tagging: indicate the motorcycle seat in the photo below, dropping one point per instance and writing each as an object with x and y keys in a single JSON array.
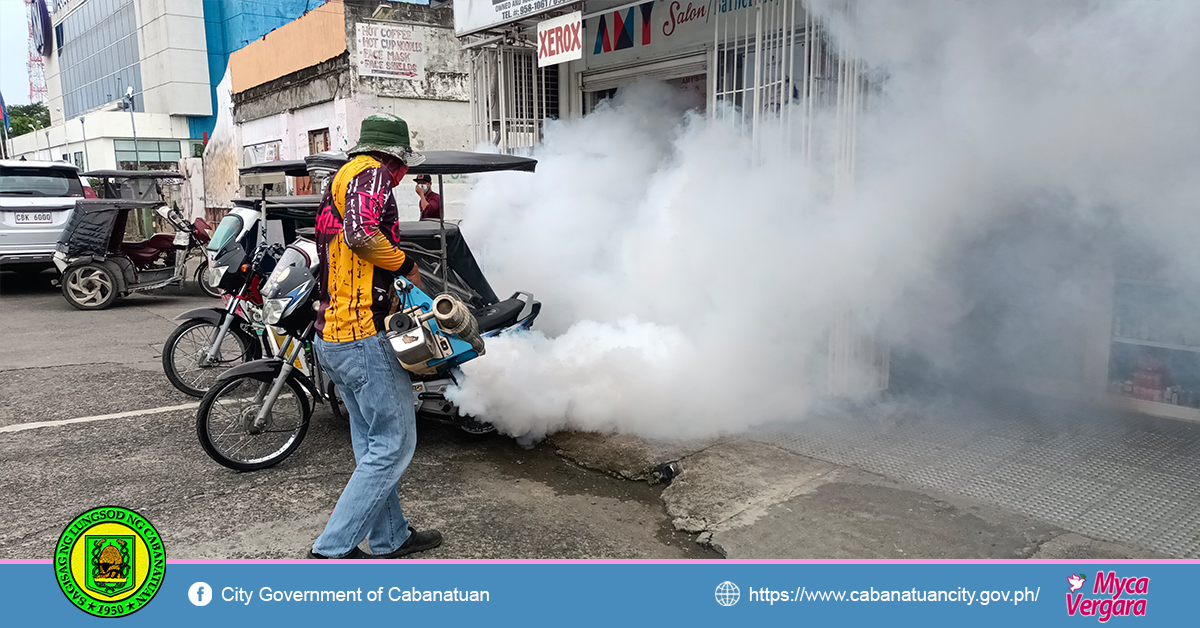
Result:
[
  {"x": 499, "y": 315},
  {"x": 143, "y": 253},
  {"x": 203, "y": 230}
]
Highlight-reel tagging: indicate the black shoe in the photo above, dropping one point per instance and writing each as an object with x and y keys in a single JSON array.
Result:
[
  {"x": 354, "y": 554},
  {"x": 417, "y": 542}
]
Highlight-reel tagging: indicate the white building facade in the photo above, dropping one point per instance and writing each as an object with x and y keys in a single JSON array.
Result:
[{"x": 168, "y": 54}]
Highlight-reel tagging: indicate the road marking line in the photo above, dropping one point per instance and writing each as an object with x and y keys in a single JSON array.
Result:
[{"x": 20, "y": 427}]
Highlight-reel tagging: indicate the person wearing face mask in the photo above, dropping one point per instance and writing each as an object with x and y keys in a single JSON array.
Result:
[
  {"x": 431, "y": 203},
  {"x": 358, "y": 246}
]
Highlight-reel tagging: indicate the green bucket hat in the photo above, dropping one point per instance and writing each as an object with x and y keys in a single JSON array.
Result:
[{"x": 385, "y": 133}]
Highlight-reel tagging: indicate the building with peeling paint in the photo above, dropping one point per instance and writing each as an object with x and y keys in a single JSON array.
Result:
[{"x": 306, "y": 87}]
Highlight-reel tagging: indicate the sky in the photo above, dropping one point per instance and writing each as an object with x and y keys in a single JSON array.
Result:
[{"x": 14, "y": 42}]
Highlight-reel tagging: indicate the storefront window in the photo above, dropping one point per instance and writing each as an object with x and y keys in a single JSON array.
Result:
[{"x": 153, "y": 154}]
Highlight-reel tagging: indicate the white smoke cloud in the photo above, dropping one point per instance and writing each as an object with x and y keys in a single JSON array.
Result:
[{"x": 689, "y": 292}]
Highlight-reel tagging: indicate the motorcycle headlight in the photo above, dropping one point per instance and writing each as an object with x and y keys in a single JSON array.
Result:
[
  {"x": 215, "y": 274},
  {"x": 273, "y": 310}
]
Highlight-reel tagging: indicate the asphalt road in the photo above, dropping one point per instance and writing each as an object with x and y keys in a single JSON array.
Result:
[
  {"x": 741, "y": 496},
  {"x": 491, "y": 499}
]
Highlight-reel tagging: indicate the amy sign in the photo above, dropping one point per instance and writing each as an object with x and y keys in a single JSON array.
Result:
[
  {"x": 394, "y": 50},
  {"x": 560, "y": 39}
]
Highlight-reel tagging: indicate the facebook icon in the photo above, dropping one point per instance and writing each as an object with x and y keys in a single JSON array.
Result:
[{"x": 200, "y": 594}]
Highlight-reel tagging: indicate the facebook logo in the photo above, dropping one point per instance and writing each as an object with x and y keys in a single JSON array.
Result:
[{"x": 200, "y": 594}]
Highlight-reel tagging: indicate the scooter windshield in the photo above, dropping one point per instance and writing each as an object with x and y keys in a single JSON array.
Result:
[{"x": 230, "y": 227}]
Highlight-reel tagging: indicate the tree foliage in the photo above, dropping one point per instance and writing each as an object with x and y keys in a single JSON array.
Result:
[{"x": 27, "y": 118}]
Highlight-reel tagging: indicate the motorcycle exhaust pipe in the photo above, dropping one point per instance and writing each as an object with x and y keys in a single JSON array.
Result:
[{"x": 455, "y": 318}]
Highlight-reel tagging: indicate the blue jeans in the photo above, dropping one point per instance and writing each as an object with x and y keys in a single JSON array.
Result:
[{"x": 383, "y": 429}]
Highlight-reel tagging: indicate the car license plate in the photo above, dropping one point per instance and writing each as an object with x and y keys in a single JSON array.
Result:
[
  {"x": 182, "y": 238},
  {"x": 34, "y": 218}
]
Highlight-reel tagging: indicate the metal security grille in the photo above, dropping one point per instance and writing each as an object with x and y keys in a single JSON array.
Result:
[
  {"x": 511, "y": 97},
  {"x": 778, "y": 69},
  {"x": 756, "y": 52},
  {"x": 776, "y": 55}
]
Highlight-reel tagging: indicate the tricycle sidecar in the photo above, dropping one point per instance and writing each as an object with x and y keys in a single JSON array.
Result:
[{"x": 98, "y": 266}]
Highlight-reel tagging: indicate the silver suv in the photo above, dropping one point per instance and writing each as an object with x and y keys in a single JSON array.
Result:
[{"x": 36, "y": 200}]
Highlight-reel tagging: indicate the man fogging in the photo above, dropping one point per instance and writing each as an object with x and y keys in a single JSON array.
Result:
[{"x": 357, "y": 242}]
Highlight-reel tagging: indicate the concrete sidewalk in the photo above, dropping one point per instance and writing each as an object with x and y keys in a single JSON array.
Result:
[{"x": 916, "y": 480}]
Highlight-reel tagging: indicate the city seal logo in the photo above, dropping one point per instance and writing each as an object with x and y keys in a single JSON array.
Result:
[{"x": 110, "y": 561}]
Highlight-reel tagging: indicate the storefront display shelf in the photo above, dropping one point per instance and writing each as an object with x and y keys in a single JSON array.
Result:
[{"x": 1154, "y": 408}]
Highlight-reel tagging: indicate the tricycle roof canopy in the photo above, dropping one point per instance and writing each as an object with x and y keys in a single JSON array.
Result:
[
  {"x": 436, "y": 162},
  {"x": 87, "y": 206},
  {"x": 464, "y": 162},
  {"x": 133, "y": 174},
  {"x": 290, "y": 167}
]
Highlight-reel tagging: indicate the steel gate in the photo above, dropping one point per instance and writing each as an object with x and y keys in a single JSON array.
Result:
[
  {"x": 779, "y": 69},
  {"x": 511, "y": 97}
]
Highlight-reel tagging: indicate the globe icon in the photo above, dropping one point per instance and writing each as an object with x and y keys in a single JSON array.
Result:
[{"x": 728, "y": 593}]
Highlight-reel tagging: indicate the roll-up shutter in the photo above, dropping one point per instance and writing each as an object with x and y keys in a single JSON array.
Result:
[{"x": 660, "y": 70}]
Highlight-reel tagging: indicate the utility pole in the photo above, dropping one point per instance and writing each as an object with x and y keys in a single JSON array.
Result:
[
  {"x": 146, "y": 216},
  {"x": 137, "y": 155},
  {"x": 86, "y": 160},
  {"x": 66, "y": 139}
]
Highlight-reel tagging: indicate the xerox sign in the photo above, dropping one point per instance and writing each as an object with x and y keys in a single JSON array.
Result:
[{"x": 560, "y": 39}]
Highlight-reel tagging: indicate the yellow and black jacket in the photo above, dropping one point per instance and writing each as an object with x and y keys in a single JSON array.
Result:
[{"x": 357, "y": 236}]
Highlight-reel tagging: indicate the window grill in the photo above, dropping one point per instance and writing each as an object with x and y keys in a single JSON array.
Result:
[{"x": 511, "y": 97}]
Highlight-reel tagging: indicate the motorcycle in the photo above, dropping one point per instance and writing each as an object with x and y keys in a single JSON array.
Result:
[
  {"x": 197, "y": 351},
  {"x": 257, "y": 414}
]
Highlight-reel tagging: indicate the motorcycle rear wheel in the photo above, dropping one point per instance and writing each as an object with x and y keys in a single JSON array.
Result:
[
  {"x": 227, "y": 409},
  {"x": 181, "y": 355}
]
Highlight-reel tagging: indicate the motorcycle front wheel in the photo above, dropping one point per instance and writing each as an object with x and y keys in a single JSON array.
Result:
[
  {"x": 226, "y": 426},
  {"x": 185, "y": 349},
  {"x": 202, "y": 280}
]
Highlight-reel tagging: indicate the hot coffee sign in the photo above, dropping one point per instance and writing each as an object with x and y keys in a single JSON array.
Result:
[
  {"x": 395, "y": 50},
  {"x": 560, "y": 39}
]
